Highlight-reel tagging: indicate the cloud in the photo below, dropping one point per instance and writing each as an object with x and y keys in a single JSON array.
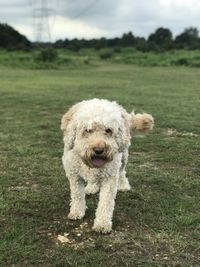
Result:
[
  {"x": 97, "y": 18},
  {"x": 63, "y": 28},
  {"x": 71, "y": 28}
]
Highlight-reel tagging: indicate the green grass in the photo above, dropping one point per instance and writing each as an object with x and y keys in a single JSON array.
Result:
[
  {"x": 91, "y": 58},
  {"x": 157, "y": 223}
]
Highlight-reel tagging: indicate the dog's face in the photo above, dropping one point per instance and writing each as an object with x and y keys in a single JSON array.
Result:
[{"x": 96, "y": 143}]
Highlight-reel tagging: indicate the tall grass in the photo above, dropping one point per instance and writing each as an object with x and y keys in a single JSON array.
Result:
[{"x": 85, "y": 57}]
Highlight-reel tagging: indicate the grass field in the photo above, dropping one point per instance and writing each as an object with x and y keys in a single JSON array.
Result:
[{"x": 157, "y": 223}]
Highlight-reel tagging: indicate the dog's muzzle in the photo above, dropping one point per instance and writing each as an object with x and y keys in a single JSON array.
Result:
[{"x": 98, "y": 156}]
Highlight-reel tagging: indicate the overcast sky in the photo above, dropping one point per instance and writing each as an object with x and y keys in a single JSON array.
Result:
[{"x": 98, "y": 18}]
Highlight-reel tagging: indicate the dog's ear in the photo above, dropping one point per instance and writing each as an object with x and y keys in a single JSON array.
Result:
[
  {"x": 68, "y": 126},
  {"x": 141, "y": 123}
]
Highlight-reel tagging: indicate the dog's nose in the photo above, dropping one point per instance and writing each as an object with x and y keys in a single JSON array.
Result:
[{"x": 98, "y": 150}]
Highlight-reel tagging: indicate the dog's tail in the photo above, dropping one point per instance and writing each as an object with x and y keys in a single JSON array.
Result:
[{"x": 141, "y": 123}]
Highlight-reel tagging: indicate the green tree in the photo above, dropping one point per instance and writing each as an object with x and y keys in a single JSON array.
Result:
[
  {"x": 10, "y": 38},
  {"x": 189, "y": 39},
  {"x": 162, "y": 38},
  {"x": 128, "y": 39}
]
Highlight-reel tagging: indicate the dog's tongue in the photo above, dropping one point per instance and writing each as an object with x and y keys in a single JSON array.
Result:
[{"x": 98, "y": 162}]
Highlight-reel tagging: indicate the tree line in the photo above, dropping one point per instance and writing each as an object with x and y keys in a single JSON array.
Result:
[{"x": 161, "y": 40}]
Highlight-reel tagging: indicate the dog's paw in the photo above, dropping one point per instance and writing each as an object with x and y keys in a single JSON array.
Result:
[
  {"x": 102, "y": 228},
  {"x": 124, "y": 184},
  {"x": 75, "y": 216},
  {"x": 91, "y": 189}
]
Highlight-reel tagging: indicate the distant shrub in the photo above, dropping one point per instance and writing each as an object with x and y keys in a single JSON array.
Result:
[
  {"x": 106, "y": 55},
  {"x": 142, "y": 46},
  {"x": 117, "y": 50},
  {"x": 24, "y": 58},
  {"x": 86, "y": 61},
  {"x": 74, "y": 48},
  {"x": 153, "y": 47},
  {"x": 46, "y": 55},
  {"x": 196, "y": 64},
  {"x": 65, "y": 60},
  {"x": 181, "y": 62}
]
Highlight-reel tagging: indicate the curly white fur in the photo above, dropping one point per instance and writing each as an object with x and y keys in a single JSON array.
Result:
[{"x": 97, "y": 135}]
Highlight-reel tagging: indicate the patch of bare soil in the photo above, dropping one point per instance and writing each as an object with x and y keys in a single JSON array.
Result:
[{"x": 173, "y": 133}]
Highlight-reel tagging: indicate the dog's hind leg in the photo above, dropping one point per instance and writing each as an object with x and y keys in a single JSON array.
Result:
[{"x": 123, "y": 184}]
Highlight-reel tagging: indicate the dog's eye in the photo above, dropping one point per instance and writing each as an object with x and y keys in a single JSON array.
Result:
[{"x": 108, "y": 131}]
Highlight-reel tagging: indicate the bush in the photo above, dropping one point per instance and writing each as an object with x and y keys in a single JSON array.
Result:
[
  {"x": 86, "y": 61},
  {"x": 181, "y": 62},
  {"x": 106, "y": 55},
  {"x": 47, "y": 55},
  {"x": 117, "y": 49},
  {"x": 153, "y": 47}
]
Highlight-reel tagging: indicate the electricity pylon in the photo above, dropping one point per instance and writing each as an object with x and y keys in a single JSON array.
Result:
[{"x": 41, "y": 17}]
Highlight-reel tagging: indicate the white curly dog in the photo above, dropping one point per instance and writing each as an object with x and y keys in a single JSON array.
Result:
[{"x": 97, "y": 135}]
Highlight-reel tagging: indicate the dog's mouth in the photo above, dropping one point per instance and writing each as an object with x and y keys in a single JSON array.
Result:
[
  {"x": 98, "y": 161},
  {"x": 95, "y": 161}
]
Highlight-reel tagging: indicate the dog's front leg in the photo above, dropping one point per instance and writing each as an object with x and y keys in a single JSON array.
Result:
[
  {"x": 104, "y": 212},
  {"x": 77, "y": 205}
]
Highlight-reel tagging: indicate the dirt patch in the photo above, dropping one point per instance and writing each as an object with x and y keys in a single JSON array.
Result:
[
  {"x": 77, "y": 238},
  {"x": 147, "y": 165},
  {"x": 28, "y": 187},
  {"x": 81, "y": 238},
  {"x": 173, "y": 132}
]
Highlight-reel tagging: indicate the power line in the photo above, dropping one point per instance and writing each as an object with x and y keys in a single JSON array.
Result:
[
  {"x": 84, "y": 11},
  {"x": 41, "y": 19},
  {"x": 42, "y": 13}
]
